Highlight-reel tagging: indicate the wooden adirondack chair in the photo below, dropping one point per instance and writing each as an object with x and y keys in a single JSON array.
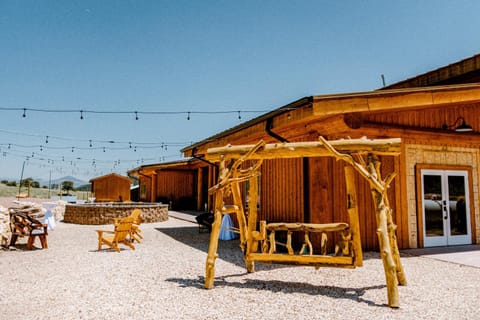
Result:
[
  {"x": 136, "y": 233},
  {"x": 122, "y": 230},
  {"x": 137, "y": 220}
]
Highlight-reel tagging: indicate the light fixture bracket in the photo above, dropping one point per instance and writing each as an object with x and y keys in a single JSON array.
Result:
[{"x": 459, "y": 125}]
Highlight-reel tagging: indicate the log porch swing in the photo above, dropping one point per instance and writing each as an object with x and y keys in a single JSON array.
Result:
[{"x": 261, "y": 245}]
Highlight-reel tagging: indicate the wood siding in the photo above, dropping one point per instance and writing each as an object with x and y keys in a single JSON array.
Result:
[
  {"x": 427, "y": 118},
  {"x": 328, "y": 202},
  {"x": 145, "y": 187},
  {"x": 177, "y": 187},
  {"x": 111, "y": 189},
  {"x": 281, "y": 190}
]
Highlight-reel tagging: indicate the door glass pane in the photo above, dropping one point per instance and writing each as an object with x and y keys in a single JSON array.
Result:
[
  {"x": 458, "y": 209},
  {"x": 432, "y": 202}
]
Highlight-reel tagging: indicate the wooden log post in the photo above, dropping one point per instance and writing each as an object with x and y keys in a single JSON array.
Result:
[
  {"x": 213, "y": 245},
  {"x": 353, "y": 216},
  {"x": 200, "y": 199},
  {"x": 382, "y": 211},
  {"x": 370, "y": 170},
  {"x": 385, "y": 250},
  {"x": 242, "y": 223},
  {"x": 252, "y": 244},
  {"x": 392, "y": 228},
  {"x": 215, "y": 231}
]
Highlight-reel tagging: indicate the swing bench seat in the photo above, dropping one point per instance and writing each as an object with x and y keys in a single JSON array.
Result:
[
  {"x": 305, "y": 260},
  {"x": 343, "y": 256}
]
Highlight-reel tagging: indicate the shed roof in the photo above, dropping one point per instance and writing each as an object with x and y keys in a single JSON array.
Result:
[
  {"x": 189, "y": 163},
  {"x": 463, "y": 71},
  {"x": 110, "y": 175}
]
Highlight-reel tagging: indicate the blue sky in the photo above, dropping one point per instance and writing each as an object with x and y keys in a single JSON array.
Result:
[{"x": 197, "y": 56}]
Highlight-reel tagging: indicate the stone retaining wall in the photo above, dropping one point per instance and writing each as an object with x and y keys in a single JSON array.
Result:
[
  {"x": 4, "y": 226},
  {"x": 104, "y": 213}
]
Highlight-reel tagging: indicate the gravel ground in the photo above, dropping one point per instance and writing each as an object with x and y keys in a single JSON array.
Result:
[{"x": 163, "y": 279}]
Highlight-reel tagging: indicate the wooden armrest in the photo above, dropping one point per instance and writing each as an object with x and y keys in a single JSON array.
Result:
[
  {"x": 38, "y": 225},
  {"x": 230, "y": 208},
  {"x": 38, "y": 232},
  {"x": 104, "y": 231}
]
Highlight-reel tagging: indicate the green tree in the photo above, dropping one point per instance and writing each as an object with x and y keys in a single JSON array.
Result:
[
  {"x": 12, "y": 184},
  {"x": 67, "y": 185},
  {"x": 26, "y": 182}
]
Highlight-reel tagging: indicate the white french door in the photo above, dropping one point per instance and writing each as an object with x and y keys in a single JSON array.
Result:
[{"x": 445, "y": 208}]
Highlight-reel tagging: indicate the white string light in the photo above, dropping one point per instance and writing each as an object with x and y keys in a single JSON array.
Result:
[
  {"x": 134, "y": 112},
  {"x": 49, "y": 138}
]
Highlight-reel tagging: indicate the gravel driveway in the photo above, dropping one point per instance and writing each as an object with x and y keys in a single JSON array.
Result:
[{"x": 163, "y": 279}]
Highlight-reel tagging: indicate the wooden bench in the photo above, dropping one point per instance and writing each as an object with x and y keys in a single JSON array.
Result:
[{"x": 23, "y": 225}]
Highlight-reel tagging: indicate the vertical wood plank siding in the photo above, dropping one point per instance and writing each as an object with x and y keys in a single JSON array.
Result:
[
  {"x": 282, "y": 196},
  {"x": 428, "y": 118},
  {"x": 281, "y": 190},
  {"x": 175, "y": 185},
  {"x": 328, "y": 202},
  {"x": 111, "y": 189},
  {"x": 145, "y": 182}
]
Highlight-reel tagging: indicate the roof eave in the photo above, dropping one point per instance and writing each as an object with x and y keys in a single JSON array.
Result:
[{"x": 286, "y": 108}]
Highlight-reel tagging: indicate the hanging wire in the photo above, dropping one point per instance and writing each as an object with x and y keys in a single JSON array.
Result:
[
  {"x": 136, "y": 112},
  {"x": 50, "y": 137},
  {"x": 91, "y": 147}
]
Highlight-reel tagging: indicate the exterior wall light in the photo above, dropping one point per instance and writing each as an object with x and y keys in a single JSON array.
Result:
[{"x": 459, "y": 126}]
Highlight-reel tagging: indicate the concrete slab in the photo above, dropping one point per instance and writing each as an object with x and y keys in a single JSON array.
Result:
[
  {"x": 186, "y": 216},
  {"x": 468, "y": 255}
]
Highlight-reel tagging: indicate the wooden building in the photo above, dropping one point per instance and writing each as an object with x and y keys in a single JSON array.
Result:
[
  {"x": 435, "y": 196},
  {"x": 181, "y": 184},
  {"x": 111, "y": 187}
]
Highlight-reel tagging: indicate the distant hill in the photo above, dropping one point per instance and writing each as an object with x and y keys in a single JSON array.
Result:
[
  {"x": 76, "y": 182},
  {"x": 44, "y": 182},
  {"x": 85, "y": 187}
]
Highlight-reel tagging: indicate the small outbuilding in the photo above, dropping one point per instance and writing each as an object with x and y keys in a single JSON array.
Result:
[
  {"x": 111, "y": 187},
  {"x": 182, "y": 184}
]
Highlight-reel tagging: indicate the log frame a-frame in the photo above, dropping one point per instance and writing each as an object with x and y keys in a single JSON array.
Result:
[{"x": 361, "y": 155}]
